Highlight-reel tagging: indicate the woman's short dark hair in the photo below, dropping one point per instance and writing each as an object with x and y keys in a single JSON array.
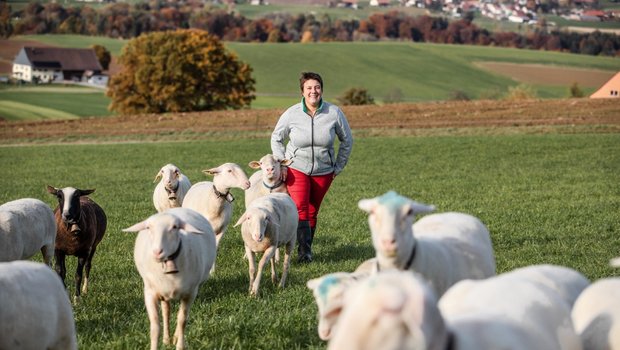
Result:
[{"x": 305, "y": 76}]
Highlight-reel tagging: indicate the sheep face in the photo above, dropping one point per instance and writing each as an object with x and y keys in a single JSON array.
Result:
[
  {"x": 229, "y": 175},
  {"x": 391, "y": 310},
  {"x": 270, "y": 166},
  {"x": 255, "y": 222},
  {"x": 163, "y": 230},
  {"x": 328, "y": 293},
  {"x": 169, "y": 175},
  {"x": 69, "y": 202},
  {"x": 390, "y": 219}
]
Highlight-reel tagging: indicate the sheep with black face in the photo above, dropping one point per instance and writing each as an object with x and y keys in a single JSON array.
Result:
[{"x": 80, "y": 226}]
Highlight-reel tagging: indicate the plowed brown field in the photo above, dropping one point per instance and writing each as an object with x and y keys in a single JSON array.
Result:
[
  {"x": 549, "y": 75},
  {"x": 471, "y": 117}
]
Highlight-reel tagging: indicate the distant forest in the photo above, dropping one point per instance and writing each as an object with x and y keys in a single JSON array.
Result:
[{"x": 122, "y": 20}]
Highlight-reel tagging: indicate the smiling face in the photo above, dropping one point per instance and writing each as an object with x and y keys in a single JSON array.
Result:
[{"x": 312, "y": 93}]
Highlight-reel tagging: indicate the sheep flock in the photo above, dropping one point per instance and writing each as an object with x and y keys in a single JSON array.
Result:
[{"x": 432, "y": 283}]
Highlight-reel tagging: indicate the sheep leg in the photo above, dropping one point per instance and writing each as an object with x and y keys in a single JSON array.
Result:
[
  {"x": 269, "y": 252},
  {"x": 48, "y": 254},
  {"x": 150, "y": 301},
  {"x": 274, "y": 277},
  {"x": 182, "y": 316},
  {"x": 87, "y": 269},
  {"x": 61, "y": 270},
  {"x": 165, "y": 315},
  {"x": 78, "y": 275},
  {"x": 251, "y": 265},
  {"x": 218, "y": 237},
  {"x": 287, "y": 262}
]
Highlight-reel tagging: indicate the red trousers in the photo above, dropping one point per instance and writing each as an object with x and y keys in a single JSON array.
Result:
[{"x": 307, "y": 192}]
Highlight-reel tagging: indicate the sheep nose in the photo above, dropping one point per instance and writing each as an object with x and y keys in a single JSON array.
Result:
[
  {"x": 389, "y": 244},
  {"x": 246, "y": 185},
  {"x": 158, "y": 252}
]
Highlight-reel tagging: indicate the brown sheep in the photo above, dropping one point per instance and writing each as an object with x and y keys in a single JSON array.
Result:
[{"x": 80, "y": 224}]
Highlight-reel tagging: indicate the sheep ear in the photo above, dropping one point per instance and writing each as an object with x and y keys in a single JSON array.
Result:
[
  {"x": 212, "y": 171},
  {"x": 241, "y": 220},
  {"x": 615, "y": 262},
  {"x": 191, "y": 228},
  {"x": 285, "y": 162},
  {"x": 157, "y": 177},
  {"x": 314, "y": 283},
  {"x": 421, "y": 208},
  {"x": 85, "y": 192},
  {"x": 254, "y": 164},
  {"x": 367, "y": 205},
  {"x": 137, "y": 227},
  {"x": 52, "y": 190}
]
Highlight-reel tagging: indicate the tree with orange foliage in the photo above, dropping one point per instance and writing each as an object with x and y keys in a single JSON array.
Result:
[{"x": 179, "y": 71}]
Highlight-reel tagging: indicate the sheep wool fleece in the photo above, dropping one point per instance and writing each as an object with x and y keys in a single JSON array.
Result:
[{"x": 311, "y": 139}]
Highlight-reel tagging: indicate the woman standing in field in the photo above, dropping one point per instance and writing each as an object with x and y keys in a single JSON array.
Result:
[{"x": 311, "y": 128}]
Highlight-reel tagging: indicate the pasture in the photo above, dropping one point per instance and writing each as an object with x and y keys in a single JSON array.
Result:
[
  {"x": 419, "y": 72},
  {"x": 547, "y": 198}
]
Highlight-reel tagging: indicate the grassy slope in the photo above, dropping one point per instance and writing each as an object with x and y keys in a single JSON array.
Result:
[
  {"x": 23, "y": 111},
  {"x": 540, "y": 205},
  {"x": 422, "y": 72},
  {"x": 52, "y": 103}
]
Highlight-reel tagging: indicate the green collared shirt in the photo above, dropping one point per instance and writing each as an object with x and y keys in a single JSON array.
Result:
[{"x": 305, "y": 109}]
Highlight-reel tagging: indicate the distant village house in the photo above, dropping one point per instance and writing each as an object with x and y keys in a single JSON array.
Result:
[
  {"x": 610, "y": 89},
  {"x": 52, "y": 64}
]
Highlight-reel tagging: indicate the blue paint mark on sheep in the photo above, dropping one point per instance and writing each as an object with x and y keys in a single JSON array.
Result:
[
  {"x": 326, "y": 285},
  {"x": 392, "y": 200}
]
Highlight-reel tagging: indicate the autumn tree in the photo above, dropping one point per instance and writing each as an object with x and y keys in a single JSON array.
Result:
[
  {"x": 179, "y": 71},
  {"x": 6, "y": 28},
  {"x": 103, "y": 56}
]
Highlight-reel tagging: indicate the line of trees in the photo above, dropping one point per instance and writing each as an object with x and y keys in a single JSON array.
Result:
[{"x": 122, "y": 20}]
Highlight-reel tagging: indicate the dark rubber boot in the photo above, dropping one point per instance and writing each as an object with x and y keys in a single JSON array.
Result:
[{"x": 304, "y": 241}]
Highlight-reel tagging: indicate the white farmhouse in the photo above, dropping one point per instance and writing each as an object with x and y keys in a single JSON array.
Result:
[{"x": 49, "y": 64}]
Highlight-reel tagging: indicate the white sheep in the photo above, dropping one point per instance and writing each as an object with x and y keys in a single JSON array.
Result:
[
  {"x": 171, "y": 189},
  {"x": 399, "y": 310},
  {"x": 526, "y": 308},
  {"x": 174, "y": 253},
  {"x": 267, "y": 224},
  {"x": 329, "y": 291},
  {"x": 213, "y": 199},
  {"x": 596, "y": 314},
  {"x": 27, "y": 226},
  {"x": 35, "y": 311},
  {"x": 445, "y": 248},
  {"x": 267, "y": 179},
  {"x": 390, "y": 310},
  {"x": 568, "y": 283}
]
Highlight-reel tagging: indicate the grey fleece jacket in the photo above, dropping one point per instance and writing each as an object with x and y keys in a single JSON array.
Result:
[{"x": 311, "y": 139}]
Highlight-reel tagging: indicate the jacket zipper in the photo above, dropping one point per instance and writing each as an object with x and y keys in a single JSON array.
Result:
[{"x": 312, "y": 143}]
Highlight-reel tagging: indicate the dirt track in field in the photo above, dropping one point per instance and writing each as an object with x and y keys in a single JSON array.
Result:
[
  {"x": 549, "y": 75},
  {"x": 470, "y": 117}
]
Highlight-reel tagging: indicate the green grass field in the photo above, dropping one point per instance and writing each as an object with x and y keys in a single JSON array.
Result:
[
  {"x": 545, "y": 198},
  {"x": 421, "y": 72},
  {"x": 52, "y": 102}
]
